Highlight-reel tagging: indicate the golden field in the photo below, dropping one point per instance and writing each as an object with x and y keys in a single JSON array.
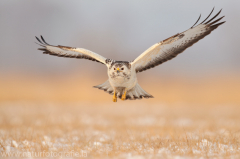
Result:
[
  {"x": 215, "y": 89},
  {"x": 186, "y": 119}
]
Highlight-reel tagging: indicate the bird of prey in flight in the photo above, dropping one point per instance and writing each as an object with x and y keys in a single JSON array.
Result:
[{"x": 122, "y": 75}]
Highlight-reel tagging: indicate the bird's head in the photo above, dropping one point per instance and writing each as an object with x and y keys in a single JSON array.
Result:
[{"x": 120, "y": 68}]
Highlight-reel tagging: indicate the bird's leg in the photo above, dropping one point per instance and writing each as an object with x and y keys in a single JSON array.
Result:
[
  {"x": 114, "y": 96},
  {"x": 124, "y": 95}
]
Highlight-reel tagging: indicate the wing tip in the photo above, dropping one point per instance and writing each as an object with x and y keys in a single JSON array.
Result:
[
  {"x": 213, "y": 17},
  {"x": 217, "y": 25},
  {"x": 196, "y": 21},
  {"x": 214, "y": 22},
  {"x": 210, "y": 19},
  {"x": 41, "y": 40},
  {"x": 208, "y": 15},
  {"x": 44, "y": 40}
]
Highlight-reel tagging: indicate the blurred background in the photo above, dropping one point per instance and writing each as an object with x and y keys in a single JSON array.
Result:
[{"x": 208, "y": 72}]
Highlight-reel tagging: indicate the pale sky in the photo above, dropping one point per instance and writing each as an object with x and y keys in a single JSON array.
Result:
[{"x": 120, "y": 30}]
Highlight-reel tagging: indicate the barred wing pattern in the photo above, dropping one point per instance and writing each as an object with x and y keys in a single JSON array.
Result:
[
  {"x": 171, "y": 47},
  {"x": 70, "y": 52}
]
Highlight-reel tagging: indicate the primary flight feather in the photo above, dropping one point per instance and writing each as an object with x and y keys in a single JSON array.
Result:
[{"x": 122, "y": 82}]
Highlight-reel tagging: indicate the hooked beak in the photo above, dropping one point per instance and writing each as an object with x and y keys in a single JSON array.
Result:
[{"x": 118, "y": 70}]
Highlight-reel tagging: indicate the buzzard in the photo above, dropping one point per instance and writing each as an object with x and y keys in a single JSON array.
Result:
[{"x": 122, "y": 75}]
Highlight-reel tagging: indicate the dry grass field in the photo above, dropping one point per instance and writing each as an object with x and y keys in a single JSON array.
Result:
[
  {"x": 140, "y": 130},
  {"x": 205, "y": 125}
]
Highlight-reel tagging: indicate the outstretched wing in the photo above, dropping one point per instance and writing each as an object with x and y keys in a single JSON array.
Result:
[
  {"x": 70, "y": 52},
  {"x": 171, "y": 47}
]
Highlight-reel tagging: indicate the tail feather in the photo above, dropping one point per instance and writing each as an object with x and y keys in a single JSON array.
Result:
[
  {"x": 105, "y": 86},
  {"x": 135, "y": 93}
]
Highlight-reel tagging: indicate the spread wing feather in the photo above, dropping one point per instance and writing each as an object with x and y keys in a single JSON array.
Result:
[
  {"x": 70, "y": 52},
  {"x": 171, "y": 47}
]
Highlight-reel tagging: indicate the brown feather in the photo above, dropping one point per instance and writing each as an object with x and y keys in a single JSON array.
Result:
[{"x": 175, "y": 50}]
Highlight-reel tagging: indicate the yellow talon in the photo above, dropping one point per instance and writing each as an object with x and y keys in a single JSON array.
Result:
[
  {"x": 114, "y": 97},
  {"x": 124, "y": 95}
]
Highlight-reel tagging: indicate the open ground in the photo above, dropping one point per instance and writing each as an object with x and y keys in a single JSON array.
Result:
[
  {"x": 121, "y": 131},
  {"x": 49, "y": 117}
]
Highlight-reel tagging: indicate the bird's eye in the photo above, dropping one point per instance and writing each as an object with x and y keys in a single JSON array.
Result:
[
  {"x": 122, "y": 68},
  {"x": 114, "y": 68}
]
